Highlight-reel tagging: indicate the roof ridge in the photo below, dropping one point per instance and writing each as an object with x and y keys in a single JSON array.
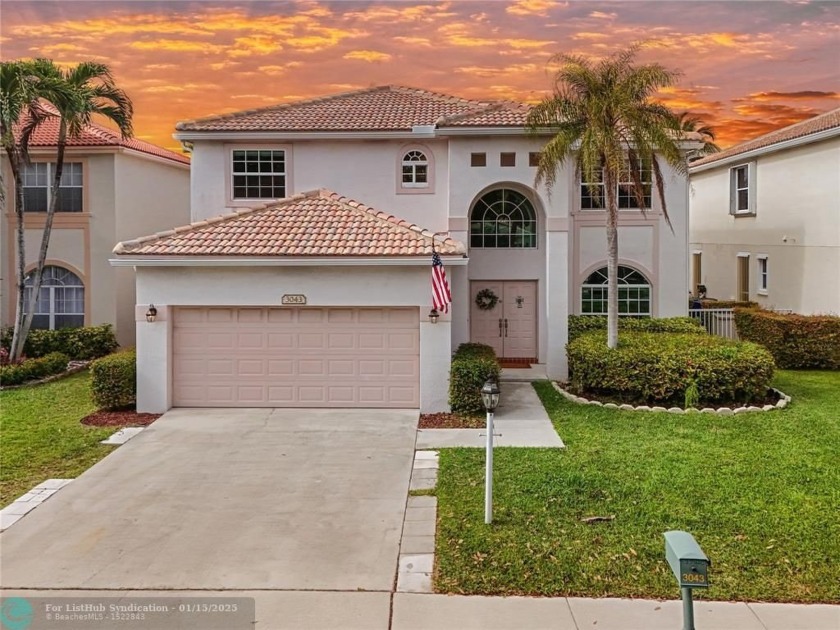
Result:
[{"x": 179, "y": 126}]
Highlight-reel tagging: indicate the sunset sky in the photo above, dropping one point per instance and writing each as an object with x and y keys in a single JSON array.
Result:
[{"x": 748, "y": 67}]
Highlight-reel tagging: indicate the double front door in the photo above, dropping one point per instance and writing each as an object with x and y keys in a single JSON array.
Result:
[{"x": 505, "y": 317}]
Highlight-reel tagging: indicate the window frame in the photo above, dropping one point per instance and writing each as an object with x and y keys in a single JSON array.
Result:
[
  {"x": 602, "y": 288},
  {"x": 414, "y": 188},
  {"x": 70, "y": 169},
  {"x": 763, "y": 273},
  {"x": 742, "y": 277},
  {"x": 52, "y": 312},
  {"x": 625, "y": 181},
  {"x": 531, "y": 221},
  {"x": 734, "y": 190},
  {"x": 235, "y": 202}
]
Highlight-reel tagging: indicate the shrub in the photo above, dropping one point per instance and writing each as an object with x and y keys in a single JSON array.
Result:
[
  {"x": 114, "y": 382},
  {"x": 80, "y": 344},
  {"x": 665, "y": 369},
  {"x": 579, "y": 324},
  {"x": 795, "y": 341},
  {"x": 722, "y": 304},
  {"x": 33, "y": 369},
  {"x": 472, "y": 365}
]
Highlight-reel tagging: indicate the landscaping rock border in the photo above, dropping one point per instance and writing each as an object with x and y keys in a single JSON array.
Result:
[{"x": 783, "y": 402}]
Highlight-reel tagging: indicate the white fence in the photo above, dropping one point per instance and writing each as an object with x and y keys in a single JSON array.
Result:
[{"x": 717, "y": 321}]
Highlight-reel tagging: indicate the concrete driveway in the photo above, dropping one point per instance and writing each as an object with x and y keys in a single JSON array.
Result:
[{"x": 229, "y": 499}]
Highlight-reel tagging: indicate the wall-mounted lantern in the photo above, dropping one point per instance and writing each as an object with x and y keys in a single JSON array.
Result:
[
  {"x": 151, "y": 314},
  {"x": 433, "y": 316}
]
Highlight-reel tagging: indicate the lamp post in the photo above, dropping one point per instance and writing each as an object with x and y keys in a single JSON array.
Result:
[{"x": 490, "y": 398}]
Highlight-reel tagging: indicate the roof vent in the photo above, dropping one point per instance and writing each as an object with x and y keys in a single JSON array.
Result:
[{"x": 423, "y": 130}]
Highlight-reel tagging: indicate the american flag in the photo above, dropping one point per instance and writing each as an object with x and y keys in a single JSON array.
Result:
[{"x": 441, "y": 297}]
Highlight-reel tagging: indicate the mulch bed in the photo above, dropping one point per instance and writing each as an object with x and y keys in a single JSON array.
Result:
[
  {"x": 120, "y": 418},
  {"x": 450, "y": 421}
]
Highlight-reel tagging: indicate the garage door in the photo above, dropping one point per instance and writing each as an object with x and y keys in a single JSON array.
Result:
[{"x": 296, "y": 357}]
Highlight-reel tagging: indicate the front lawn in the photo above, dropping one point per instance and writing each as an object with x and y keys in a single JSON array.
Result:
[
  {"x": 41, "y": 437},
  {"x": 758, "y": 491}
]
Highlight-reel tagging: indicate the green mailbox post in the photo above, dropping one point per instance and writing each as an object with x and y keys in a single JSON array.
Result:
[{"x": 691, "y": 568}]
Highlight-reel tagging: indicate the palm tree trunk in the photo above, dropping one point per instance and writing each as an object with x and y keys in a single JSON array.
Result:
[
  {"x": 16, "y": 349},
  {"x": 45, "y": 237},
  {"x": 612, "y": 259}
]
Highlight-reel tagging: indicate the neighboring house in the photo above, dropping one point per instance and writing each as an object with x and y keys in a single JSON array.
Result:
[
  {"x": 765, "y": 219},
  {"x": 111, "y": 189},
  {"x": 358, "y": 173}
]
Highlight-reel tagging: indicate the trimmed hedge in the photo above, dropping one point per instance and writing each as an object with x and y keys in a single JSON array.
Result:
[
  {"x": 472, "y": 365},
  {"x": 579, "y": 324},
  {"x": 80, "y": 344},
  {"x": 723, "y": 304},
  {"x": 651, "y": 368},
  {"x": 114, "y": 383},
  {"x": 33, "y": 369},
  {"x": 795, "y": 341}
]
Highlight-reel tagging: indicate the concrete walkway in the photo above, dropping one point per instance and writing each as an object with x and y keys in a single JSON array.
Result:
[{"x": 520, "y": 420}]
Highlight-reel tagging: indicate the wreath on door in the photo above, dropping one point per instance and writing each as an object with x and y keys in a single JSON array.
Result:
[{"x": 486, "y": 300}]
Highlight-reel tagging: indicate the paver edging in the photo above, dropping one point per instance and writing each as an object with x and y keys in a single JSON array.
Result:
[
  {"x": 417, "y": 548},
  {"x": 783, "y": 402}
]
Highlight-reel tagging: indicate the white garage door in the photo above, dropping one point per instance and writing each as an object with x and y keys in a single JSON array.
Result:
[{"x": 296, "y": 357}]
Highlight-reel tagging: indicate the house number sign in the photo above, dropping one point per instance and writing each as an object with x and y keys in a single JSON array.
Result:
[{"x": 293, "y": 299}]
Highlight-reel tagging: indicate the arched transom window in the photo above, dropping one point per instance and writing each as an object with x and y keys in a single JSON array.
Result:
[
  {"x": 415, "y": 170},
  {"x": 61, "y": 300},
  {"x": 503, "y": 218},
  {"x": 633, "y": 293}
]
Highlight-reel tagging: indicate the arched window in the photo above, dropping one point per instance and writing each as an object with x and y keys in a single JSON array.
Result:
[
  {"x": 415, "y": 170},
  {"x": 61, "y": 301},
  {"x": 633, "y": 293},
  {"x": 503, "y": 218}
]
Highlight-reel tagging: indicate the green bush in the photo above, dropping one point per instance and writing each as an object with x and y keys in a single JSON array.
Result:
[
  {"x": 795, "y": 341},
  {"x": 651, "y": 368},
  {"x": 80, "y": 344},
  {"x": 723, "y": 304},
  {"x": 33, "y": 369},
  {"x": 579, "y": 324},
  {"x": 114, "y": 383},
  {"x": 472, "y": 365}
]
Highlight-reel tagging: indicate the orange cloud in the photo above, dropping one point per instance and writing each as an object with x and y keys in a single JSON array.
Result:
[
  {"x": 367, "y": 55},
  {"x": 534, "y": 7},
  {"x": 177, "y": 45}
]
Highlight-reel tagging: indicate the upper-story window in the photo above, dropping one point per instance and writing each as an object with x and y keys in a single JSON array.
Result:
[
  {"x": 593, "y": 197},
  {"x": 415, "y": 170},
  {"x": 259, "y": 174},
  {"x": 741, "y": 190},
  {"x": 503, "y": 218},
  {"x": 37, "y": 187}
]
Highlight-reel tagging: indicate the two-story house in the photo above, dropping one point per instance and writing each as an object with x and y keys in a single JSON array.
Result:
[
  {"x": 323, "y": 298},
  {"x": 765, "y": 219},
  {"x": 111, "y": 189}
]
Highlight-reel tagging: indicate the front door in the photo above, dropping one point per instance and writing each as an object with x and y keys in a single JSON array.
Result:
[{"x": 506, "y": 319}]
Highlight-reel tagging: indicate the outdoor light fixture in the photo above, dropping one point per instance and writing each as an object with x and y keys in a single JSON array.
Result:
[
  {"x": 151, "y": 314},
  {"x": 490, "y": 396},
  {"x": 433, "y": 316}
]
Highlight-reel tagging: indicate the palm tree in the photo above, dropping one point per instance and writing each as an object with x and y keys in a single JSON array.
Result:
[
  {"x": 21, "y": 88},
  {"x": 601, "y": 115},
  {"x": 86, "y": 90},
  {"x": 692, "y": 123}
]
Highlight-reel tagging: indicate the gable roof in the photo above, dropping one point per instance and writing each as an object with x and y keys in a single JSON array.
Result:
[
  {"x": 383, "y": 108},
  {"x": 317, "y": 223},
  {"x": 95, "y": 135},
  {"x": 823, "y": 122}
]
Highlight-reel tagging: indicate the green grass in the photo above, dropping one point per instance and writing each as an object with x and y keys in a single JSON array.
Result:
[
  {"x": 41, "y": 437},
  {"x": 760, "y": 492}
]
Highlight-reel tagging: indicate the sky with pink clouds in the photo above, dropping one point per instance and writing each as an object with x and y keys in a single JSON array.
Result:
[{"x": 747, "y": 67}]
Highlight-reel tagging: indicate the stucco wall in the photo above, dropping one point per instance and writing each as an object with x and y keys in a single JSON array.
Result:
[
  {"x": 796, "y": 225},
  {"x": 264, "y": 286}
]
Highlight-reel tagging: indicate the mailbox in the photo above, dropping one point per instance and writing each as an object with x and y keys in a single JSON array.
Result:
[{"x": 688, "y": 562}]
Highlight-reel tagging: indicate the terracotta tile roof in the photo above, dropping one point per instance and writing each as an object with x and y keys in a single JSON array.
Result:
[
  {"x": 498, "y": 114},
  {"x": 823, "y": 122},
  {"x": 316, "y": 223},
  {"x": 384, "y": 108},
  {"x": 94, "y": 135}
]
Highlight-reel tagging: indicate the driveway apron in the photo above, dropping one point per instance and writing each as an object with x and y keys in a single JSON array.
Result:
[{"x": 229, "y": 499}]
